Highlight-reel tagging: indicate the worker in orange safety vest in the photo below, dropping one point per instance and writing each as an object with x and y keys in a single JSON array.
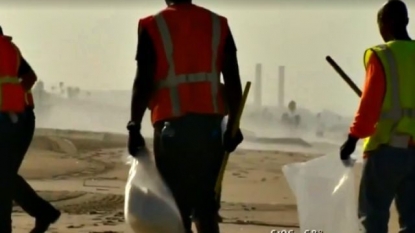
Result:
[
  {"x": 181, "y": 53},
  {"x": 16, "y": 131}
]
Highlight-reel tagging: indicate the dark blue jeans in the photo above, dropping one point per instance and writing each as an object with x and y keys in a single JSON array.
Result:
[
  {"x": 388, "y": 174},
  {"x": 24, "y": 194},
  {"x": 15, "y": 139}
]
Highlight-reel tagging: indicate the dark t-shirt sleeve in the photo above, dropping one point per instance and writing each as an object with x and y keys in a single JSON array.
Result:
[
  {"x": 144, "y": 78},
  {"x": 24, "y": 67},
  {"x": 145, "y": 47},
  {"x": 146, "y": 61}
]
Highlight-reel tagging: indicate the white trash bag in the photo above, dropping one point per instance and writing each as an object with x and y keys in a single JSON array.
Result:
[
  {"x": 149, "y": 205},
  {"x": 325, "y": 193}
]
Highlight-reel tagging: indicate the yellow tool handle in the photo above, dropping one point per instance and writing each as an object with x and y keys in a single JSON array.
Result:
[{"x": 234, "y": 129}]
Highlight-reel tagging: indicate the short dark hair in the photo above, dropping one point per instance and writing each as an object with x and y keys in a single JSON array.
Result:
[
  {"x": 395, "y": 12},
  {"x": 180, "y": 1},
  {"x": 1, "y": 31}
]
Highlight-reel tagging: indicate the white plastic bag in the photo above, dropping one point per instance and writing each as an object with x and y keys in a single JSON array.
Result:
[
  {"x": 149, "y": 206},
  {"x": 224, "y": 124},
  {"x": 325, "y": 193}
]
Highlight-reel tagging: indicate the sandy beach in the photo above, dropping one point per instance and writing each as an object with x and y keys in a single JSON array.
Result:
[{"x": 84, "y": 175}]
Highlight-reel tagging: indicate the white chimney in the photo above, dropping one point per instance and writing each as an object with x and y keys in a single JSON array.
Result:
[
  {"x": 281, "y": 88},
  {"x": 258, "y": 85}
]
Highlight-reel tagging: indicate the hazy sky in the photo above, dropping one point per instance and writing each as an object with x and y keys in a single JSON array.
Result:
[{"x": 93, "y": 46}]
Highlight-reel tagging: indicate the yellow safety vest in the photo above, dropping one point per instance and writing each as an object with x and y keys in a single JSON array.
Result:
[{"x": 397, "y": 121}]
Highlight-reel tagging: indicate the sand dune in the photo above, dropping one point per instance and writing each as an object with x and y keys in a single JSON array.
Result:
[{"x": 85, "y": 177}]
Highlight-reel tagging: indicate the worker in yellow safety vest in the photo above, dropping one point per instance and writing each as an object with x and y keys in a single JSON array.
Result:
[{"x": 386, "y": 117}]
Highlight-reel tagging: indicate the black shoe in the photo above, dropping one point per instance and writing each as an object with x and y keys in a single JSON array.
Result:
[{"x": 43, "y": 223}]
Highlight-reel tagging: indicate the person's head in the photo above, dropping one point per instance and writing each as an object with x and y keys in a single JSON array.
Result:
[
  {"x": 1, "y": 31},
  {"x": 172, "y": 2},
  {"x": 392, "y": 19}
]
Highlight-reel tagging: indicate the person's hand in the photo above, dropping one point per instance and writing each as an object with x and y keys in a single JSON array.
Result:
[
  {"x": 230, "y": 143},
  {"x": 136, "y": 142},
  {"x": 347, "y": 149}
]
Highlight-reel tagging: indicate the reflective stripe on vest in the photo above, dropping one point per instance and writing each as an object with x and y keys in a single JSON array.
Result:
[
  {"x": 173, "y": 81},
  {"x": 7, "y": 80},
  {"x": 396, "y": 113}
]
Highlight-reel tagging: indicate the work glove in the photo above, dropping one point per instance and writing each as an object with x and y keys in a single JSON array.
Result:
[
  {"x": 347, "y": 149},
  {"x": 136, "y": 142},
  {"x": 230, "y": 143}
]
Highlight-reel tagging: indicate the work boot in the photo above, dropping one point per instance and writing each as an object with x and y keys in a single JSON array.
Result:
[{"x": 43, "y": 222}]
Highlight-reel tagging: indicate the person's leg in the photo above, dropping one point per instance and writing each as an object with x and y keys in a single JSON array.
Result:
[
  {"x": 24, "y": 194},
  {"x": 9, "y": 134},
  {"x": 27, "y": 198},
  {"x": 207, "y": 204},
  {"x": 169, "y": 161},
  {"x": 187, "y": 158},
  {"x": 382, "y": 173},
  {"x": 404, "y": 200},
  {"x": 206, "y": 156},
  {"x": 27, "y": 131}
]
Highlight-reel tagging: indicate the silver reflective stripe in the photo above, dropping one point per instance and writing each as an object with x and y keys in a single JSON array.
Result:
[
  {"x": 396, "y": 113},
  {"x": 172, "y": 81},
  {"x": 7, "y": 80}
]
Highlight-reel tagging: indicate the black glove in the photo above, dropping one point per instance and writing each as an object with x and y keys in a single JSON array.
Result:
[
  {"x": 348, "y": 148},
  {"x": 230, "y": 143},
  {"x": 136, "y": 142}
]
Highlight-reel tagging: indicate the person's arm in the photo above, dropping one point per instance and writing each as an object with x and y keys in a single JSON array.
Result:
[
  {"x": 26, "y": 74},
  {"x": 143, "y": 82},
  {"x": 232, "y": 80},
  {"x": 370, "y": 107}
]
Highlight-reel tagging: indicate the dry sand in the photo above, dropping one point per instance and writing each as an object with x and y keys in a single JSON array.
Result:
[{"x": 84, "y": 176}]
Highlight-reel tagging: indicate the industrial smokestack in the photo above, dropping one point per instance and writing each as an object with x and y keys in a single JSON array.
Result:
[
  {"x": 281, "y": 86},
  {"x": 258, "y": 85}
]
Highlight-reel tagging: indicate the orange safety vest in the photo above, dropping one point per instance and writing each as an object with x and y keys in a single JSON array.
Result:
[
  {"x": 12, "y": 96},
  {"x": 189, "y": 42},
  {"x": 29, "y": 99}
]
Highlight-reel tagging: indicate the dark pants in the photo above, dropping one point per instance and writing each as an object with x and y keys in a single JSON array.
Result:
[
  {"x": 15, "y": 140},
  {"x": 188, "y": 154},
  {"x": 388, "y": 174},
  {"x": 218, "y": 200}
]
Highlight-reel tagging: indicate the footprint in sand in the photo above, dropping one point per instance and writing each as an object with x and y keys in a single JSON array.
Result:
[
  {"x": 240, "y": 174},
  {"x": 237, "y": 174},
  {"x": 74, "y": 227}
]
